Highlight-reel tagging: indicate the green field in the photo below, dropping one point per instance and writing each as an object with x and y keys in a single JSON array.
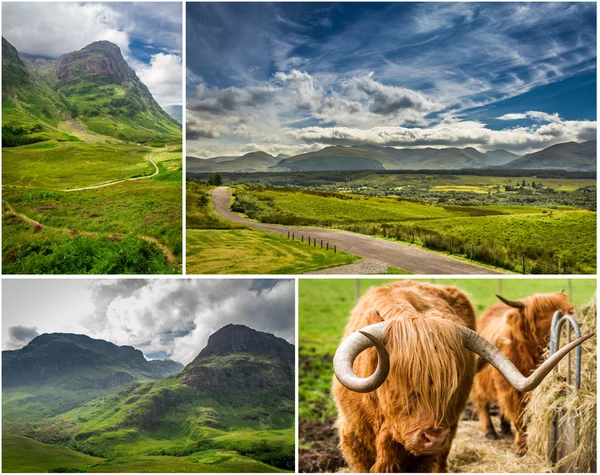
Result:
[
  {"x": 218, "y": 246},
  {"x": 550, "y": 240},
  {"x": 24, "y": 455},
  {"x": 21, "y": 454},
  {"x": 324, "y": 306},
  {"x": 103, "y": 230}
]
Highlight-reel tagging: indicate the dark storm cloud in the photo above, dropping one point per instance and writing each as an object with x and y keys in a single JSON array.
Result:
[{"x": 19, "y": 336}]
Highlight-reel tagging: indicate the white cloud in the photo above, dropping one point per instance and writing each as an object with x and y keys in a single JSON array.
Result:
[
  {"x": 457, "y": 133},
  {"x": 163, "y": 78},
  {"x": 177, "y": 316},
  {"x": 53, "y": 29}
]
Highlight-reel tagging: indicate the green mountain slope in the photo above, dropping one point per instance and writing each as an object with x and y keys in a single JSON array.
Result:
[
  {"x": 31, "y": 109},
  {"x": 56, "y": 372},
  {"x": 570, "y": 156},
  {"x": 108, "y": 97},
  {"x": 94, "y": 85},
  {"x": 237, "y": 395}
]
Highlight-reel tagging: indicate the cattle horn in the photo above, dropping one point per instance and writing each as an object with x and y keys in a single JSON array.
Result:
[
  {"x": 511, "y": 303},
  {"x": 351, "y": 347},
  {"x": 477, "y": 344}
]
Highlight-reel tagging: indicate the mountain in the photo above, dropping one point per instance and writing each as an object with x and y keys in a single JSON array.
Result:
[
  {"x": 363, "y": 157},
  {"x": 57, "y": 371},
  {"x": 94, "y": 86},
  {"x": 251, "y": 162},
  {"x": 374, "y": 157},
  {"x": 237, "y": 395},
  {"x": 571, "y": 156}
]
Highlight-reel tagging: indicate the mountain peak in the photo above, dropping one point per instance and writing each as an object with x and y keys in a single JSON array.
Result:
[
  {"x": 101, "y": 60},
  {"x": 235, "y": 338}
]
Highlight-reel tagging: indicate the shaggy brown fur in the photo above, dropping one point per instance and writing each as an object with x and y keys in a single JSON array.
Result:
[
  {"x": 428, "y": 384},
  {"x": 522, "y": 335}
]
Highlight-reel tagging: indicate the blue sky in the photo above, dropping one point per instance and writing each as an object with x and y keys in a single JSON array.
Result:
[
  {"x": 148, "y": 34},
  {"x": 294, "y": 77}
]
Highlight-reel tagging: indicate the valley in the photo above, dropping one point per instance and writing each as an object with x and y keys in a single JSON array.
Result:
[
  {"x": 230, "y": 410},
  {"x": 91, "y": 167}
]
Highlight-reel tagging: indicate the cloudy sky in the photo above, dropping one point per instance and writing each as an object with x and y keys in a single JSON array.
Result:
[
  {"x": 149, "y": 35},
  {"x": 291, "y": 78},
  {"x": 164, "y": 318}
]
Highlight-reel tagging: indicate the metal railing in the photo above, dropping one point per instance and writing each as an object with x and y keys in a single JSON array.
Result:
[{"x": 558, "y": 320}]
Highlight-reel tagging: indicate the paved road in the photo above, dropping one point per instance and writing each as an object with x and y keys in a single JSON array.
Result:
[{"x": 411, "y": 259}]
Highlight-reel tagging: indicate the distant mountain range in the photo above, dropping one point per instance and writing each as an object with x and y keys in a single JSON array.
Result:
[
  {"x": 94, "y": 86},
  {"x": 568, "y": 156}
]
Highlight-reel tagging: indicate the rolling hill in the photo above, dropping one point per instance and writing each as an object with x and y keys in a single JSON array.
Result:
[
  {"x": 570, "y": 156},
  {"x": 93, "y": 86},
  {"x": 235, "y": 398},
  {"x": 56, "y": 372}
]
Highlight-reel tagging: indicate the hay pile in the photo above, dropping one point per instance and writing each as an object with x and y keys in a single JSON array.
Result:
[{"x": 554, "y": 398}]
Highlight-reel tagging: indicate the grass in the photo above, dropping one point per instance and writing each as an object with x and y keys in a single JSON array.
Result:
[
  {"x": 24, "y": 455},
  {"x": 216, "y": 245},
  {"x": 117, "y": 216},
  {"x": 21, "y": 454},
  {"x": 54, "y": 166},
  {"x": 495, "y": 235},
  {"x": 324, "y": 306},
  {"x": 250, "y": 251}
]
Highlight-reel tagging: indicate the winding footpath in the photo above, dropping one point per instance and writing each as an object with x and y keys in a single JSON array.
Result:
[
  {"x": 395, "y": 254},
  {"x": 118, "y": 181}
]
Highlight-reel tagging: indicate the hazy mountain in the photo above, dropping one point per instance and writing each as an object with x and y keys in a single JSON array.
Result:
[
  {"x": 366, "y": 157},
  {"x": 94, "y": 85},
  {"x": 250, "y": 162},
  {"x": 564, "y": 156},
  {"x": 56, "y": 372}
]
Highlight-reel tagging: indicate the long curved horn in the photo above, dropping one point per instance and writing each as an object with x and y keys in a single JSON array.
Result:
[
  {"x": 511, "y": 303},
  {"x": 477, "y": 344},
  {"x": 351, "y": 347}
]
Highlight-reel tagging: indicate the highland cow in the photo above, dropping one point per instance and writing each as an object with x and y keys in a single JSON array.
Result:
[
  {"x": 521, "y": 330},
  {"x": 404, "y": 373}
]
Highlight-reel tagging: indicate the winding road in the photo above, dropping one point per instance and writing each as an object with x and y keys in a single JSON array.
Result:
[{"x": 403, "y": 256}]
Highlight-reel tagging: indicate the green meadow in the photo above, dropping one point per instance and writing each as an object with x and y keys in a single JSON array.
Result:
[{"x": 129, "y": 227}]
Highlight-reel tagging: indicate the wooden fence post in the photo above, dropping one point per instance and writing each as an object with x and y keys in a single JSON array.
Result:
[
  {"x": 523, "y": 257},
  {"x": 328, "y": 246},
  {"x": 335, "y": 249}
]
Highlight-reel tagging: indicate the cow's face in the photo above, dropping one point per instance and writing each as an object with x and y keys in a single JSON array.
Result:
[
  {"x": 530, "y": 318},
  {"x": 424, "y": 392}
]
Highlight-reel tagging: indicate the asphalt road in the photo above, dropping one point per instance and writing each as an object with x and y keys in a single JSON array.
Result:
[{"x": 403, "y": 256}]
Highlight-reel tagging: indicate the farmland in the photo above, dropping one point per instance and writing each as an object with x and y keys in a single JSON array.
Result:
[
  {"x": 218, "y": 246},
  {"x": 516, "y": 237},
  {"x": 324, "y": 307}
]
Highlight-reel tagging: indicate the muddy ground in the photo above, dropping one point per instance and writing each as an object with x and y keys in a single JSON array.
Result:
[{"x": 471, "y": 451}]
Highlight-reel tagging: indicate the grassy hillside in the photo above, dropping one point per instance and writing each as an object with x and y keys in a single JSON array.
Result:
[
  {"x": 82, "y": 121},
  {"x": 21, "y": 454}
]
